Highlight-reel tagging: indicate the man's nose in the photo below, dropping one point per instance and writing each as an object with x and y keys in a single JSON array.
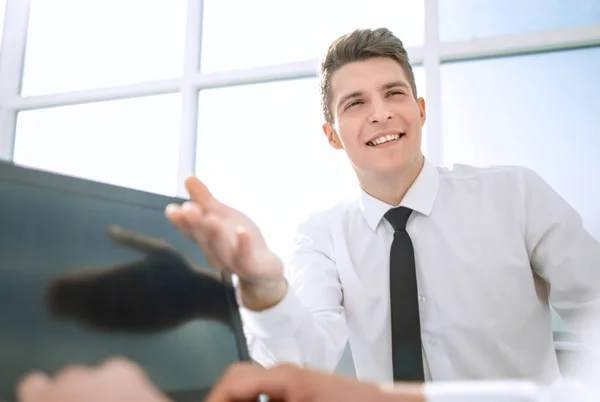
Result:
[{"x": 380, "y": 112}]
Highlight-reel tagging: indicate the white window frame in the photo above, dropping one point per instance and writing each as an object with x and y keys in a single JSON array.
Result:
[{"x": 430, "y": 56}]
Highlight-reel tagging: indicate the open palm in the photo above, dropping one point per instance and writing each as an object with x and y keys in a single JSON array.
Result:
[{"x": 229, "y": 240}]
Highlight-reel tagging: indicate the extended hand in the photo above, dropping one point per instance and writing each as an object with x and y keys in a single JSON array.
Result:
[
  {"x": 121, "y": 380},
  {"x": 285, "y": 383},
  {"x": 230, "y": 241},
  {"x": 115, "y": 380}
]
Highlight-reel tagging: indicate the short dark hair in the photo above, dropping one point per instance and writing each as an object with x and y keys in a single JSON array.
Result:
[{"x": 361, "y": 44}]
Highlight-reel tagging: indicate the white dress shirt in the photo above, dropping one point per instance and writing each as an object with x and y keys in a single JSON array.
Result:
[
  {"x": 511, "y": 391},
  {"x": 492, "y": 245}
]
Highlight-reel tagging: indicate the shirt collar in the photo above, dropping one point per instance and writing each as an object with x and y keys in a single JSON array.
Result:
[{"x": 420, "y": 197}]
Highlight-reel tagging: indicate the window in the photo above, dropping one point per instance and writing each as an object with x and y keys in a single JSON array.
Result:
[
  {"x": 2, "y": 13},
  {"x": 264, "y": 32},
  {"x": 73, "y": 45},
  {"x": 540, "y": 111},
  {"x": 261, "y": 149},
  {"x": 132, "y": 143},
  {"x": 468, "y": 19}
]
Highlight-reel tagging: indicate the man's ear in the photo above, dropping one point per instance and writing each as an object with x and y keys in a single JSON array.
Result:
[
  {"x": 332, "y": 136},
  {"x": 422, "y": 111}
]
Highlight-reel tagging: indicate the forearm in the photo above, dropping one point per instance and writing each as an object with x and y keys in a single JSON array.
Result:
[
  {"x": 289, "y": 333},
  {"x": 264, "y": 297}
]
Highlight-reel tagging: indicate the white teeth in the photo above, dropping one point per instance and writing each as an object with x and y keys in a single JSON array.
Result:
[{"x": 384, "y": 139}]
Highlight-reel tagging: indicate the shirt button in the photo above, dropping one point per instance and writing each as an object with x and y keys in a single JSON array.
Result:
[
  {"x": 432, "y": 342},
  {"x": 422, "y": 298}
]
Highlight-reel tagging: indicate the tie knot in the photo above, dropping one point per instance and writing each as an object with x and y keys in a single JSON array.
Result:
[{"x": 398, "y": 217}]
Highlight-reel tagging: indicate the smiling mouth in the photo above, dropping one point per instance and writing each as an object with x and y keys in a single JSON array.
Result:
[{"x": 385, "y": 139}]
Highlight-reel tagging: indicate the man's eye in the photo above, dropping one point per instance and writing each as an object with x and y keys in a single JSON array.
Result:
[{"x": 354, "y": 103}]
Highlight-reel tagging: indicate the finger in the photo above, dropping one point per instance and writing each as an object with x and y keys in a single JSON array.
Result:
[
  {"x": 32, "y": 387},
  {"x": 211, "y": 259},
  {"x": 204, "y": 228},
  {"x": 209, "y": 256},
  {"x": 184, "y": 218},
  {"x": 249, "y": 383},
  {"x": 200, "y": 194},
  {"x": 135, "y": 240},
  {"x": 72, "y": 383},
  {"x": 130, "y": 379},
  {"x": 210, "y": 234},
  {"x": 192, "y": 215},
  {"x": 73, "y": 374},
  {"x": 220, "y": 242},
  {"x": 244, "y": 251},
  {"x": 120, "y": 368},
  {"x": 176, "y": 216}
]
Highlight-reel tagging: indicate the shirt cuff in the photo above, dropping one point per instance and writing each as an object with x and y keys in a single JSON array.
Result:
[
  {"x": 281, "y": 320},
  {"x": 481, "y": 391},
  {"x": 569, "y": 390}
]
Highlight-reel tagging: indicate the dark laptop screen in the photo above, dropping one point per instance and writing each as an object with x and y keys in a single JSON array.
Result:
[{"x": 51, "y": 225}]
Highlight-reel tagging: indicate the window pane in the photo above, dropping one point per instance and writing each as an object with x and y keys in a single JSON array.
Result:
[
  {"x": 75, "y": 44},
  {"x": 468, "y": 19},
  {"x": 261, "y": 149},
  {"x": 132, "y": 143},
  {"x": 2, "y": 12},
  {"x": 275, "y": 163},
  {"x": 540, "y": 111},
  {"x": 300, "y": 30}
]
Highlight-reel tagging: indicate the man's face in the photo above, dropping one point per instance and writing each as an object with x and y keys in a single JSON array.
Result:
[{"x": 376, "y": 118}]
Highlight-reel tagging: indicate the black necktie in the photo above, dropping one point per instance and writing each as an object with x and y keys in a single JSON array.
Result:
[{"x": 407, "y": 354}]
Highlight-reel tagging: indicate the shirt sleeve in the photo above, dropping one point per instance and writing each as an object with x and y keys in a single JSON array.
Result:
[
  {"x": 482, "y": 391},
  {"x": 308, "y": 326},
  {"x": 510, "y": 391},
  {"x": 562, "y": 251}
]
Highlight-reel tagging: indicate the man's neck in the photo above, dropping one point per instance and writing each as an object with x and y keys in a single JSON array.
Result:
[{"x": 392, "y": 189}]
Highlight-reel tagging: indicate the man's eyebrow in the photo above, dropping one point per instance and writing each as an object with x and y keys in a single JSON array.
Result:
[
  {"x": 346, "y": 98},
  {"x": 395, "y": 84},
  {"x": 357, "y": 94}
]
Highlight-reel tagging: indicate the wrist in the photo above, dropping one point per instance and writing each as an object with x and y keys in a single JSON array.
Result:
[{"x": 262, "y": 296}]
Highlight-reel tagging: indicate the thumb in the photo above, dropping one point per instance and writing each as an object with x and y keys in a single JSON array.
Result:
[{"x": 201, "y": 194}]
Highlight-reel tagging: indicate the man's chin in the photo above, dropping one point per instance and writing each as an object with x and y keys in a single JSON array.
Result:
[
  {"x": 394, "y": 168},
  {"x": 381, "y": 173}
]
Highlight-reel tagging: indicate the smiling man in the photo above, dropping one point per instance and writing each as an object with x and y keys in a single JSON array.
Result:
[
  {"x": 430, "y": 273},
  {"x": 372, "y": 112}
]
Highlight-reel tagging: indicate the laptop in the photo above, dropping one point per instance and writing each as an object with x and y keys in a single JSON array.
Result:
[{"x": 74, "y": 288}]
